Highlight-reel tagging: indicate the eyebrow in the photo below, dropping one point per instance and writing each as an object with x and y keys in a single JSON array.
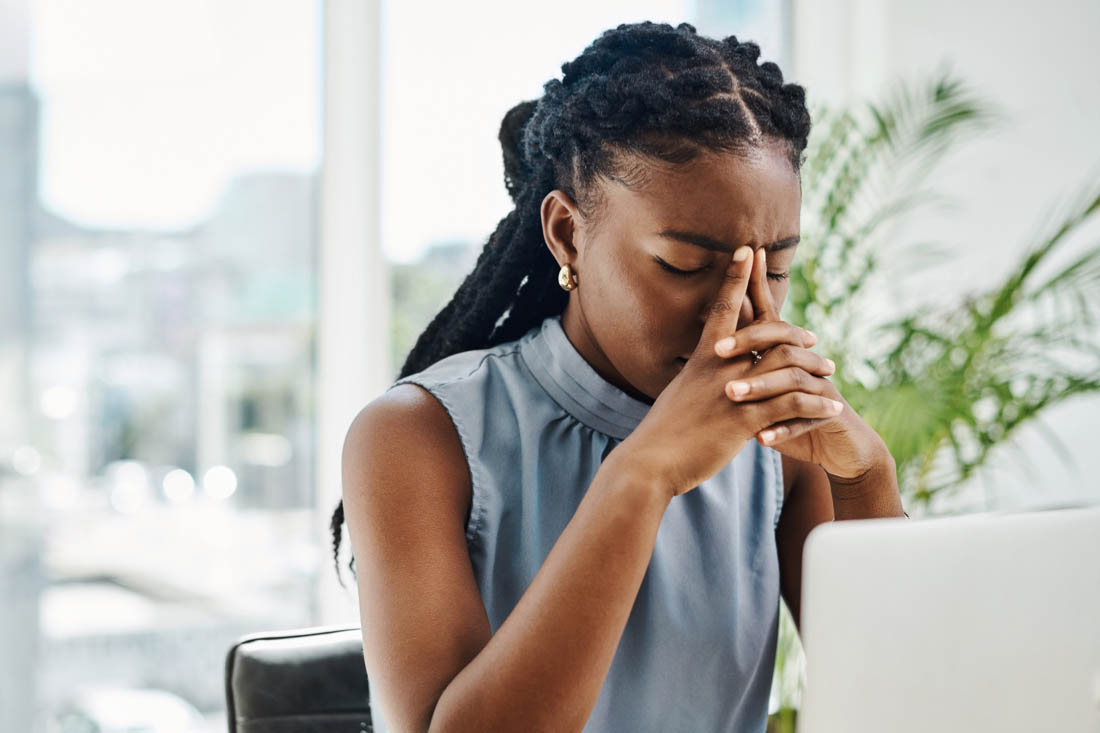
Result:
[{"x": 701, "y": 240}]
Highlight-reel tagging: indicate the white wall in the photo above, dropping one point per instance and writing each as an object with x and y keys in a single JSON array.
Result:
[{"x": 1038, "y": 61}]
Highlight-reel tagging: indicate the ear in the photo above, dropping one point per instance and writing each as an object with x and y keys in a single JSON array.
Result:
[{"x": 560, "y": 220}]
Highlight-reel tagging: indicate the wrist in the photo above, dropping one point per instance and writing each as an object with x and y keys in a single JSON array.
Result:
[
  {"x": 637, "y": 473},
  {"x": 880, "y": 472},
  {"x": 869, "y": 495}
]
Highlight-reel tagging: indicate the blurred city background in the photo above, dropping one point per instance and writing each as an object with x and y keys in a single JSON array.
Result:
[{"x": 170, "y": 191}]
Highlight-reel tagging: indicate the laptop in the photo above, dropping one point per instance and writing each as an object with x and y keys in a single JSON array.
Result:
[{"x": 982, "y": 622}]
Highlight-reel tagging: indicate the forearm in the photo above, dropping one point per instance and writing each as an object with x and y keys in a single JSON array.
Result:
[
  {"x": 545, "y": 665},
  {"x": 869, "y": 496}
]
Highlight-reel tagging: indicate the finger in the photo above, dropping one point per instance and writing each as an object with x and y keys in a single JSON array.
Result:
[
  {"x": 724, "y": 310},
  {"x": 784, "y": 431},
  {"x": 788, "y": 355},
  {"x": 763, "y": 335},
  {"x": 770, "y": 384},
  {"x": 791, "y": 405},
  {"x": 762, "y": 304},
  {"x": 747, "y": 315}
]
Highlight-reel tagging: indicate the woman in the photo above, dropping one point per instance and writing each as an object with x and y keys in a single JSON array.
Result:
[{"x": 566, "y": 514}]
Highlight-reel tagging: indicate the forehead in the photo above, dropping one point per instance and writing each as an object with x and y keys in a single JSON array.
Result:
[{"x": 742, "y": 199}]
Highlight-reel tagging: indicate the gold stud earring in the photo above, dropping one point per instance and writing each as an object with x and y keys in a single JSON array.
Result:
[{"x": 567, "y": 278}]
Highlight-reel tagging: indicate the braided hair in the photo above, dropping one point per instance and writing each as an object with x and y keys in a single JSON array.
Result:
[{"x": 642, "y": 90}]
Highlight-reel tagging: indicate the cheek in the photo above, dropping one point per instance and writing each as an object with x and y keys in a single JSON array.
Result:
[
  {"x": 636, "y": 310},
  {"x": 629, "y": 287},
  {"x": 779, "y": 289},
  {"x": 662, "y": 301}
]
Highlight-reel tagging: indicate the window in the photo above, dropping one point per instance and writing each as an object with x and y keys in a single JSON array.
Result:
[
  {"x": 448, "y": 80},
  {"x": 156, "y": 474},
  {"x": 159, "y": 210}
]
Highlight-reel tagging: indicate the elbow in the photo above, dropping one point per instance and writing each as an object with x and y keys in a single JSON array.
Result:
[
  {"x": 445, "y": 717},
  {"x": 437, "y": 715}
]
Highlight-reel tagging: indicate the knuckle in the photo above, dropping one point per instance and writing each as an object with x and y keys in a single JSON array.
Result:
[
  {"x": 792, "y": 427},
  {"x": 720, "y": 307},
  {"x": 798, "y": 378},
  {"x": 805, "y": 425},
  {"x": 784, "y": 351}
]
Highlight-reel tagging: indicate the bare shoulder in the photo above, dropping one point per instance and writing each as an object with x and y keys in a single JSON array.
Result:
[
  {"x": 405, "y": 443},
  {"x": 407, "y": 494}
]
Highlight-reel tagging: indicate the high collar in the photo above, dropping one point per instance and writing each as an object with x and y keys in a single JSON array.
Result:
[{"x": 576, "y": 386}]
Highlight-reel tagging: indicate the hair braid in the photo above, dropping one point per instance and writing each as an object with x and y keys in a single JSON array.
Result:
[{"x": 639, "y": 90}]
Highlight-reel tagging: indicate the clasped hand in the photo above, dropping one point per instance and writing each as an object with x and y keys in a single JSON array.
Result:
[
  {"x": 783, "y": 400},
  {"x": 793, "y": 380}
]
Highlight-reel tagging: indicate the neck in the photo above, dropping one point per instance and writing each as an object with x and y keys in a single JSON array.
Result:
[{"x": 580, "y": 335}]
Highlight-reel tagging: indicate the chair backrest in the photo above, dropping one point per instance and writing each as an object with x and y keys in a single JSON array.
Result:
[{"x": 298, "y": 681}]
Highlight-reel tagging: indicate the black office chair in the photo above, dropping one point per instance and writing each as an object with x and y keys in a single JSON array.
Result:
[
  {"x": 299, "y": 681},
  {"x": 304, "y": 681}
]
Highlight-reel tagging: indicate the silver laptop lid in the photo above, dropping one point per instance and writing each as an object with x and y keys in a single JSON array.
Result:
[{"x": 984, "y": 622}]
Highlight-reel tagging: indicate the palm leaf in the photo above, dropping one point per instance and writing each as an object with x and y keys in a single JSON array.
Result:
[
  {"x": 948, "y": 387},
  {"x": 936, "y": 383}
]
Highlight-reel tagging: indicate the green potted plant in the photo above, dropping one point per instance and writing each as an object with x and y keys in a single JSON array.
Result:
[{"x": 947, "y": 385}]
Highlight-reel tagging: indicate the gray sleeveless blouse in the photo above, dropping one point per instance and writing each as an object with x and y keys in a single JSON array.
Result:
[{"x": 535, "y": 421}]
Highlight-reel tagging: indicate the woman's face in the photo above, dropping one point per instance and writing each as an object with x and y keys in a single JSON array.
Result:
[{"x": 631, "y": 317}]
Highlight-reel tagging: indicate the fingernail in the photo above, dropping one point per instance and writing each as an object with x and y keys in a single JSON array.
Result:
[
  {"x": 836, "y": 406},
  {"x": 831, "y": 363},
  {"x": 767, "y": 435},
  {"x": 812, "y": 335},
  {"x": 740, "y": 389},
  {"x": 741, "y": 253},
  {"x": 725, "y": 346}
]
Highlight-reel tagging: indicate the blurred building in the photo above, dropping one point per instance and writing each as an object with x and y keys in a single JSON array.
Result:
[
  {"x": 146, "y": 336},
  {"x": 175, "y": 370},
  {"x": 156, "y": 436},
  {"x": 421, "y": 288},
  {"x": 21, "y": 575},
  {"x": 21, "y": 584},
  {"x": 18, "y": 190},
  {"x": 152, "y": 354}
]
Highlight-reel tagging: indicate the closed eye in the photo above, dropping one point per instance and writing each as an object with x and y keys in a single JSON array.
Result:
[
  {"x": 687, "y": 273},
  {"x": 677, "y": 270}
]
